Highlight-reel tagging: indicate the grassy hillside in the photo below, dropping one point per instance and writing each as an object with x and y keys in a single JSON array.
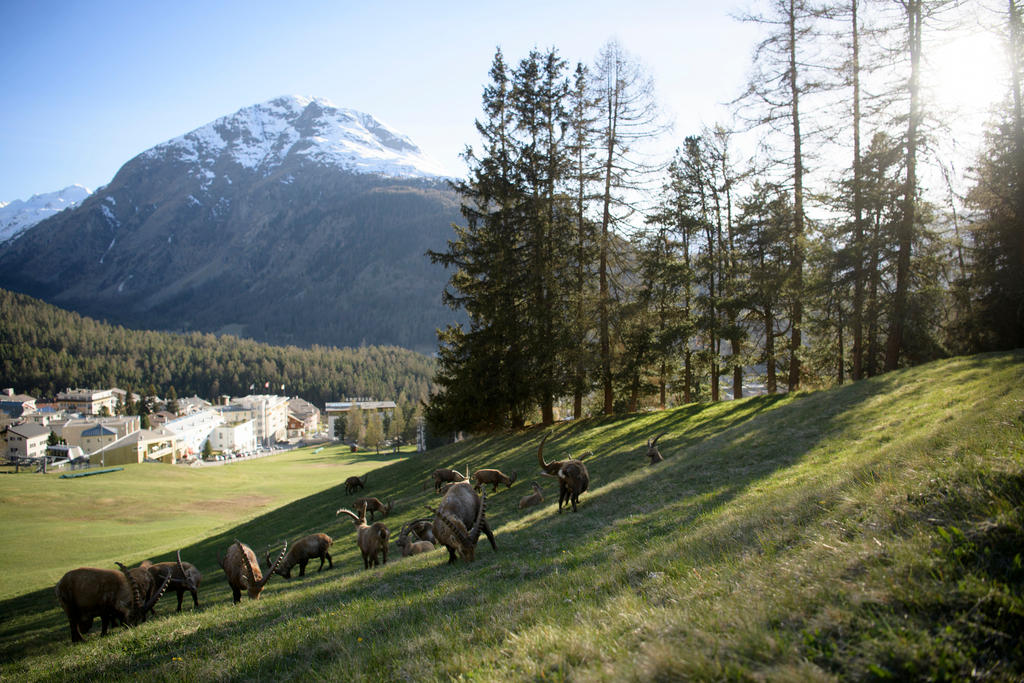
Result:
[{"x": 872, "y": 531}]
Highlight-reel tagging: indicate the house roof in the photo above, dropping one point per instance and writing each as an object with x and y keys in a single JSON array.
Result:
[
  {"x": 29, "y": 430},
  {"x": 99, "y": 430}
]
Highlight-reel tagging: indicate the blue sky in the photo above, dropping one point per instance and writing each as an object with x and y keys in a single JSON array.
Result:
[{"x": 88, "y": 85}]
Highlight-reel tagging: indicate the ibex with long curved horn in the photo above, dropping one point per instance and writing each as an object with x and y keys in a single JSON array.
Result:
[
  {"x": 572, "y": 475},
  {"x": 184, "y": 577},
  {"x": 243, "y": 570},
  {"x": 304, "y": 550},
  {"x": 459, "y": 521},
  {"x": 652, "y": 449},
  {"x": 113, "y": 596},
  {"x": 372, "y": 539}
]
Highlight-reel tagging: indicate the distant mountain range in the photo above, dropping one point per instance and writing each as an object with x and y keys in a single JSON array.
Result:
[
  {"x": 289, "y": 222},
  {"x": 20, "y": 215}
]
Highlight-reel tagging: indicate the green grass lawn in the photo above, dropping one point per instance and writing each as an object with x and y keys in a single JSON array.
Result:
[{"x": 871, "y": 531}]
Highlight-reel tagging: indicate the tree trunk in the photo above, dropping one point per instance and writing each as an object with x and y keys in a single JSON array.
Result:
[
  {"x": 905, "y": 240},
  {"x": 857, "y": 322},
  {"x": 796, "y": 321}
]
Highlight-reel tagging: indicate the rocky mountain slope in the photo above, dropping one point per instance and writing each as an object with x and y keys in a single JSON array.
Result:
[{"x": 291, "y": 222}]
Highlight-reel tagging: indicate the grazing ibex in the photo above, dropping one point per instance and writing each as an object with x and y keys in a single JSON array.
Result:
[
  {"x": 459, "y": 520},
  {"x": 652, "y": 449},
  {"x": 243, "y": 570},
  {"x": 572, "y": 475},
  {"x": 353, "y": 483},
  {"x": 373, "y": 505},
  {"x": 492, "y": 477},
  {"x": 112, "y": 595},
  {"x": 535, "y": 498},
  {"x": 408, "y": 547},
  {"x": 372, "y": 539},
  {"x": 184, "y": 577},
  {"x": 444, "y": 475},
  {"x": 304, "y": 550}
]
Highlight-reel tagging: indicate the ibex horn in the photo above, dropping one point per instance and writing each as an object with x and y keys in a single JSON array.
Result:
[
  {"x": 474, "y": 534},
  {"x": 156, "y": 596},
  {"x": 186, "y": 578},
  {"x": 351, "y": 514},
  {"x": 250, "y": 577},
  {"x": 277, "y": 564},
  {"x": 540, "y": 452}
]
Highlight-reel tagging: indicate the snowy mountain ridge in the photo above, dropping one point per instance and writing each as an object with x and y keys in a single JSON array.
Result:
[
  {"x": 20, "y": 215},
  {"x": 262, "y": 136}
]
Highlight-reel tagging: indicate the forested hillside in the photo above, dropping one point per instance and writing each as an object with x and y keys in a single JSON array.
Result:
[{"x": 44, "y": 349}]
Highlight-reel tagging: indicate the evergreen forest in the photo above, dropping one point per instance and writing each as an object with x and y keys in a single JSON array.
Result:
[
  {"x": 817, "y": 236},
  {"x": 44, "y": 350}
]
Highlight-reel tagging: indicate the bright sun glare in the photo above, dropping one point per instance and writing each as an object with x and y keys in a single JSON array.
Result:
[{"x": 967, "y": 74}]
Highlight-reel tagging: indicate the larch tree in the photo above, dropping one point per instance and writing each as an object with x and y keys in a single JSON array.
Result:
[
  {"x": 773, "y": 98},
  {"x": 629, "y": 116}
]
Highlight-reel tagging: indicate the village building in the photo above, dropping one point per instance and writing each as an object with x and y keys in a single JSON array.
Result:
[
  {"x": 270, "y": 413},
  {"x": 192, "y": 431},
  {"x": 341, "y": 409},
  {"x": 71, "y": 429},
  {"x": 144, "y": 445},
  {"x": 27, "y": 440},
  {"x": 88, "y": 401},
  {"x": 96, "y": 437},
  {"x": 16, "y": 405},
  {"x": 303, "y": 419},
  {"x": 237, "y": 437}
]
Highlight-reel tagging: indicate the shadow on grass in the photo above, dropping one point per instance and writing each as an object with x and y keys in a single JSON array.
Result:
[{"x": 713, "y": 454}]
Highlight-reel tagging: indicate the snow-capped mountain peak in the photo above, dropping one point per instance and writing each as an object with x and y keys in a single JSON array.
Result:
[
  {"x": 262, "y": 136},
  {"x": 20, "y": 215}
]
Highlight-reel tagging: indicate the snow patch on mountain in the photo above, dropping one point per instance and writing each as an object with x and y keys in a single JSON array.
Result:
[
  {"x": 20, "y": 215},
  {"x": 261, "y": 137}
]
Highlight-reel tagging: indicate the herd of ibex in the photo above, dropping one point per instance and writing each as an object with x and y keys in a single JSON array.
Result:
[
  {"x": 125, "y": 596},
  {"x": 118, "y": 597}
]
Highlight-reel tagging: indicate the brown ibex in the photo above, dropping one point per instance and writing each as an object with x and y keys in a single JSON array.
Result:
[
  {"x": 459, "y": 520},
  {"x": 652, "y": 449},
  {"x": 304, "y": 550},
  {"x": 372, "y": 539},
  {"x": 184, "y": 577},
  {"x": 572, "y": 475},
  {"x": 353, "y": 483},
  {"x": 243, "y": 570},
  {"x": 444, "y": 475},
  {"x": 535, "y": 498},
  {"x": 373, "y": 505},
  {"x": 423, "y": 529},
  {"x": 492, "y": 477},
  {"x": 408, "y": 547},
  {"x": 111, "y": 595}
]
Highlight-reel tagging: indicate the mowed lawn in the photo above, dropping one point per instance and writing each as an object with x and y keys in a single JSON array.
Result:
[{"x": 51, "y": 525}]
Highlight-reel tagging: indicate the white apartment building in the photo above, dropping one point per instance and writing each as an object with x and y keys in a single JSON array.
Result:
[
  {"x": 270, "y": 413},
  {"x": 193, "y": 430},
  {"x": 234, "y": 438}
]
